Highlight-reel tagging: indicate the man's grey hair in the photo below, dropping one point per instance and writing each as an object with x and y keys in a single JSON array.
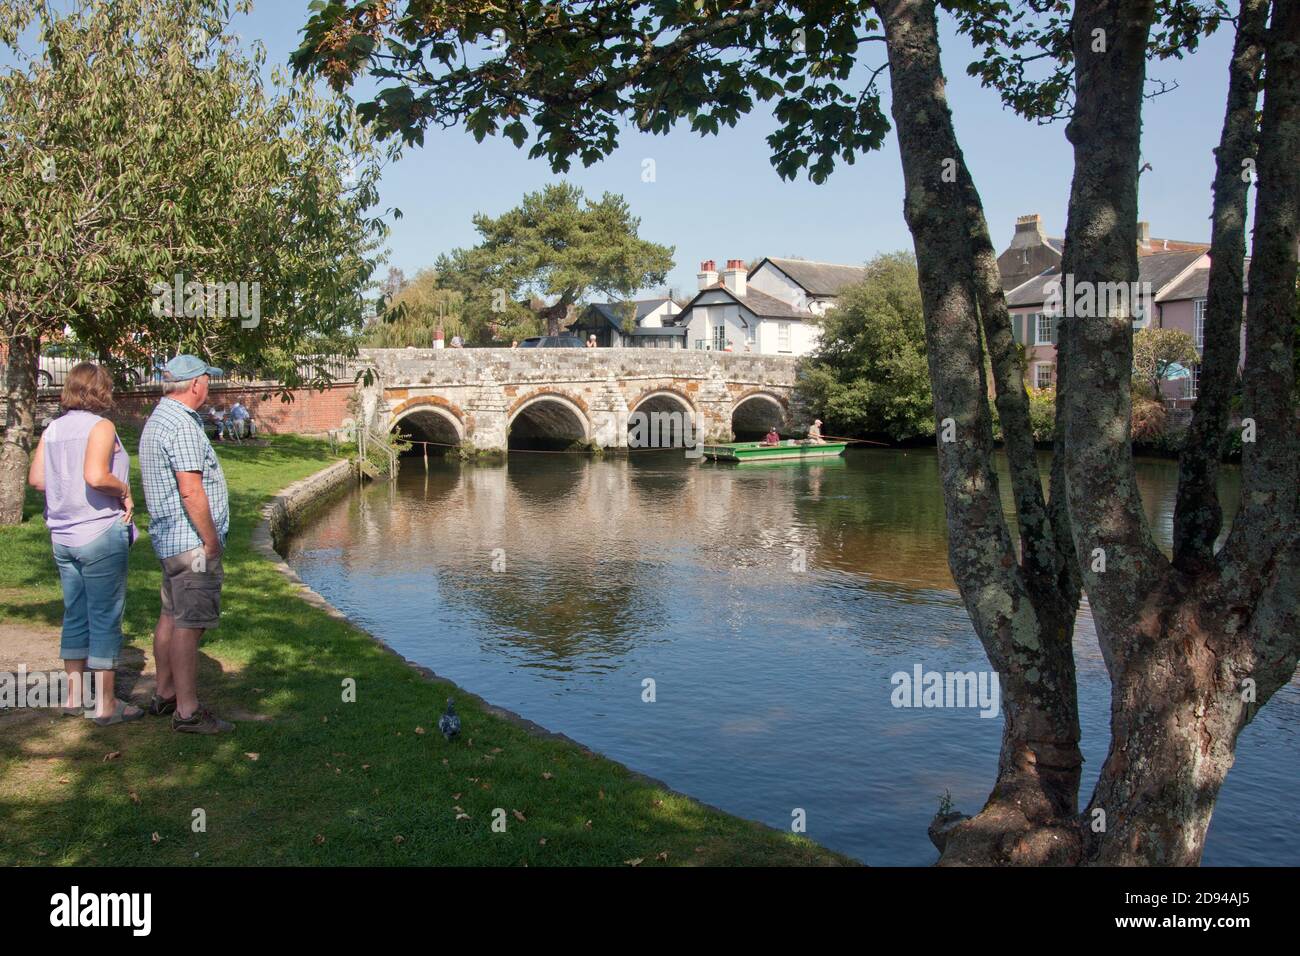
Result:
[{"x": 170, "y": 388}]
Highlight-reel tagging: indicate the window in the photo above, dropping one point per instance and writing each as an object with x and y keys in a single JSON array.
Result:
[
  {"x": 699, "y": 344},
  {"x": 719, "y": 338},
  {"x": 1044, "y": 375},
  {"x": 1193, "y": 380},
  {"x": 1198, "y": 314},
  {"x": 783, "y": 336},
  {"x": 1042, "y": 328}
]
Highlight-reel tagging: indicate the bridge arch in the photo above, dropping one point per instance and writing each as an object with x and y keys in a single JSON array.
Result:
[
  {"x": 662, "y": 400},
  {"x": 429, "y": 419},
  {"x": 547, "y": 420},
  {"x": 661, "y": 418},
  {"x": 757, "y": 410}
]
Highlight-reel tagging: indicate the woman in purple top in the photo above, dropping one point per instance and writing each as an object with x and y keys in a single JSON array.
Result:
[{"x": 83, "y": 469}]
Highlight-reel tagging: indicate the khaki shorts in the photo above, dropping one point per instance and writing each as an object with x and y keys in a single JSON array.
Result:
[{"x": 191, "y": 589}]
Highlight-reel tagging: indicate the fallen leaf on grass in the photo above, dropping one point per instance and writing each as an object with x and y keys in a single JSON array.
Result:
[
  {"x": 662, "y": 856},
  {"x": 112, "y": 755},
  {"x": 154, "y": 837},
  {"x": 419, "y": 730},
  {"x": 318, "y": 839},
  {"x": 455, "y": 796},
  {"x": 519, "y": 816},
  {"x": 459, "y": 809},
  {"x": 324, "y": 720},
  {"x": 547, "y": 775},
  {"x": 462, "y": 816},
  {"x": 365, "y": 766},
  {"x": 656, "y": 803},
  {"x": 601, "y": 793},
  {"x": 635, "y": 861},
  {"x": 587, "y": 824},
  {"x": 135, "y": 797},
  {"x": 496, "y": 750},
  {"x": 254, "y": 756},
  {"x": 542, "y": 842},
  {"x": 399, "y": 839}
]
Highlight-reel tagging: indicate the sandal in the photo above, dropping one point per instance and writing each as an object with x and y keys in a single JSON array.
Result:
[
  {"x": 122, "y": 712},
  {"x": 72, "y": 711}
]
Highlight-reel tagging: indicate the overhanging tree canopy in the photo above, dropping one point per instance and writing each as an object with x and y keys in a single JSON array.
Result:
[{"x": 138, "y": 144}]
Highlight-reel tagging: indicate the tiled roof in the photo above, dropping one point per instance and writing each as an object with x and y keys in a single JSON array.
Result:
[
  {"x": 1033, "y": 291},
  {"x": 760, "y": 303},
  {"x": 817, "y": 278},
  {"x": 610, "y": 310},
  {"x": 1155, "y": 247},
  {"x": 1196, "y": 285},
  {"x": 1159, "y": 269}
]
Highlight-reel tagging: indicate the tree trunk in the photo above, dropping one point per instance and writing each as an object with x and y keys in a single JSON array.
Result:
[
  {"x": 553, "y": 314},
  {"x": 1020, "y": 611},
  {"x": 1197, "y": 515},
  {"x": 20, "y": 426},
  {"x": 1192, "y": 651}
]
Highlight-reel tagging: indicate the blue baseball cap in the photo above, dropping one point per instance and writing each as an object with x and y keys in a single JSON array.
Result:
[{"x": 182, "y": 368}]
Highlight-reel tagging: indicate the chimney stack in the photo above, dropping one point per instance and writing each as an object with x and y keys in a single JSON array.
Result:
[
  {"x": 1029, "y": 231},
  {"x": 734, "y": 277},
  {"x": 1144, "y": 234},
  {"x": 708, "y": 274}
]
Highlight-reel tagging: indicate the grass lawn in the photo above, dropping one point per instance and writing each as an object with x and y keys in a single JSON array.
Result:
[{"x": 306, "y": 778}]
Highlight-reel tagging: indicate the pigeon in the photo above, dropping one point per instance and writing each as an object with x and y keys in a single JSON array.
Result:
[{"x": 449, "y": 723}]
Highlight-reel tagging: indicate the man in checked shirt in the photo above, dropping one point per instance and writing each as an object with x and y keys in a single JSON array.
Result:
[{"x": 189, "y": 516}]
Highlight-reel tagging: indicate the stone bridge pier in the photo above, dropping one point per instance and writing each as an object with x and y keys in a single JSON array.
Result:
[{"x": 494, "y": 399}]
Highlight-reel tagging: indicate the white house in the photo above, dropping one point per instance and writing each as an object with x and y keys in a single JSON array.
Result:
[{"x": 769, "y": 309}]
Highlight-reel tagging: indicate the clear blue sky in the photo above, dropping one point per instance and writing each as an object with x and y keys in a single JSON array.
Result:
[{"x": 719, "y": 198}]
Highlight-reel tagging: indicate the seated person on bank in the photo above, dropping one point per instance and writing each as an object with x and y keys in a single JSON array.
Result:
[
  {"x": 772, "y": 438},
  {"x": 238, "y": 421}
]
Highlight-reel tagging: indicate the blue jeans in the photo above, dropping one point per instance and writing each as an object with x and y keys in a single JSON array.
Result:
[{"x": 94, "y": 596}]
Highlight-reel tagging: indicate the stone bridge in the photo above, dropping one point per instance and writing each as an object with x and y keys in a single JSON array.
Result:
[{"x": 494, "y": 399}]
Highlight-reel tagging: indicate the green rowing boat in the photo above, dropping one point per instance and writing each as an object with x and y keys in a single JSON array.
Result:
[{"x": 790, "y": 449}]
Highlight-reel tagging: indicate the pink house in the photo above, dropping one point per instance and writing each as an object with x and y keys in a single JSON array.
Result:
[{"x": 1173, "y": 278}]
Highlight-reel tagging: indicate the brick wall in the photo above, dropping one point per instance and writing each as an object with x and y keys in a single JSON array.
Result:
[{"x": 310, "y": 413}]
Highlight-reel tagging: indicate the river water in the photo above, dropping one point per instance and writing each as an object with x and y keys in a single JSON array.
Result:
[{"x": 769, "y": 604}]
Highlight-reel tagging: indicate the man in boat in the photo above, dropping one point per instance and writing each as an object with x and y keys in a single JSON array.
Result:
[
  {"x": 772, "y": 438},
  {"x": 815, "y": 432}
]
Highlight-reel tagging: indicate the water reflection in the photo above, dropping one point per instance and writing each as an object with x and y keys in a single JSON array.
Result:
[{"x": 770, "y": 605}]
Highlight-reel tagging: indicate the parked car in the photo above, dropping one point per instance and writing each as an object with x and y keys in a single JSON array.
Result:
[
  {"x": 553, "y": 342},
  {"x": 57, "y": 360}
]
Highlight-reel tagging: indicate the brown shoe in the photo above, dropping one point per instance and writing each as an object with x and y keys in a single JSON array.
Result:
[
  {"x": 203, "y": 722},
  {"x": 162, "y": 706}
]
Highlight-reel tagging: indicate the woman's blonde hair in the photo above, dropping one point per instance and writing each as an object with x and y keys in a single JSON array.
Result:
[{"x": 89, "y": 388}]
